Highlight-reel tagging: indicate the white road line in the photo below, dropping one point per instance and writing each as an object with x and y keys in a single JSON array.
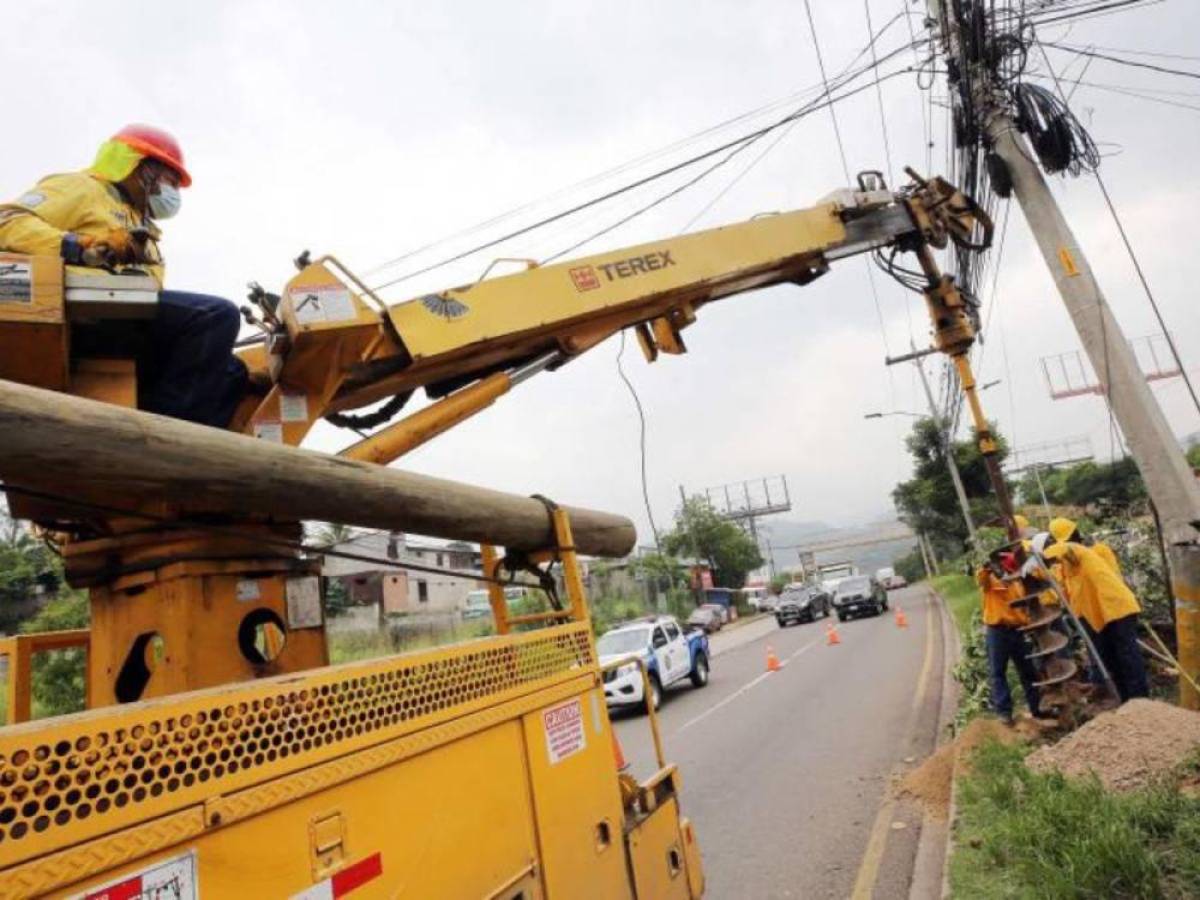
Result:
[{"x": 745, "y": 687}]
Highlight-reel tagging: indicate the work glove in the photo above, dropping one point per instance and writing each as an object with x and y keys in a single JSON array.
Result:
[{"x": 85, "y": 250}]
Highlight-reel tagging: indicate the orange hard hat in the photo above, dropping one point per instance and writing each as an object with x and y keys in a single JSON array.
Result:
[{"x": 157, "y": 144}]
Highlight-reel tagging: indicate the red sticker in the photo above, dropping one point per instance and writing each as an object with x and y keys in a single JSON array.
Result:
[
  {"x": 585, "y": 278},
  {"x": 357, "y": 875}
]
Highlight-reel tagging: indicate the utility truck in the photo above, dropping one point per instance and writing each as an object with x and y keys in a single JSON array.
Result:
[{"x": 219, "y": 754}]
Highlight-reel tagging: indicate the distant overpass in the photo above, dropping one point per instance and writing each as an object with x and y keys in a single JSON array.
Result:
[{"x": 896, "y": 532}]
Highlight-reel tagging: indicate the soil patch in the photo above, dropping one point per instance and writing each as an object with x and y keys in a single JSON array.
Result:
[
  {"x": 930, "y": 783},
  {"x": 1126, "y": 748}
]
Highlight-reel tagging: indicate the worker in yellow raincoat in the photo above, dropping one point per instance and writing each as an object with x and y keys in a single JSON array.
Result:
[
  {"x": 1099, "y": 596},
  {"x": 1065, "y": 530},
  {"x": 107, "y": 216},
  {"x": 1005, "y": 642}
]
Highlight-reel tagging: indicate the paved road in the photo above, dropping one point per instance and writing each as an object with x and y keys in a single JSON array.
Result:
[{"x": 785, "y": 775}]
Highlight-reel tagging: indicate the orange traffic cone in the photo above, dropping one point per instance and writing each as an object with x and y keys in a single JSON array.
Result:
[
  {"x": 618, "y": 755},
  {"x": 773, "y": 664},
  {"x": 831, "y": 635},
  {"x": 901, "y": 618}
]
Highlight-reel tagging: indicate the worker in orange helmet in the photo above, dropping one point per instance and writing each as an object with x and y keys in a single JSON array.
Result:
[
  {"x": 1003, "y": 638},
  {"x": 107, "y": 216}
]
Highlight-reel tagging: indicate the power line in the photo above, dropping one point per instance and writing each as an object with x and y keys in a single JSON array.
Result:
[
  {"x": 1136, "y": 265},
  {"x": 846, "y": 171},
  {"x": 637, "y": 402},
  {"x": 1104, "y": 57},
  {"x": 658, "y": 201},
  {"x": 640, "y": 182},
  {"x": 887, "y": 145}
]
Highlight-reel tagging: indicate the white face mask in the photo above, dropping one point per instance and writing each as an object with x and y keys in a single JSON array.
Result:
[{"x": 165, "y": 202}]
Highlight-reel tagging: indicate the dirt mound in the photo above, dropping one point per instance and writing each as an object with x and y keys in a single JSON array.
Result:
[
  {"x": 930, "y": 782},
  {"x": 1127, "y": 747}
]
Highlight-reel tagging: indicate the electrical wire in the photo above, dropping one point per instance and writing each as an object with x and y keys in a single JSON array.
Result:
[
  {"x": 637, "y": 402},
  {"x": 810, "y": 108},
  {"x": 1104, "y": 57},
  {"x": 637, "y": 183},
  {"x": 1137, "y": 268},
  {"x": 812, "y": 26}
]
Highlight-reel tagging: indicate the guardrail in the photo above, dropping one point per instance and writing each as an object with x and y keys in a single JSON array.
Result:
[{"x": 19, "y": 650}]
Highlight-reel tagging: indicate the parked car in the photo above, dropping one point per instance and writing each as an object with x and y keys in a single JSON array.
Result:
[
  {"x": 859, "y": 595},
  {"x": 769, "y": 603},
  {"x": 801, "y": 604},
  {"x": 706, "y": 619},
  {"x": 720, "y": 609},
  {"x": 756, "y": 596},
  {"x": 670, "y": 654}
]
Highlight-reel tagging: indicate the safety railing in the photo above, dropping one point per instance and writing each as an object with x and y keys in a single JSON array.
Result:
[{"x": 18, "y": 652}]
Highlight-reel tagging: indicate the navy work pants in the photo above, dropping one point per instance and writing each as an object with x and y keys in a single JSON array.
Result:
[
  {"x": 1004, "y": 644},
  {"x": 188, "y": 371},
  {"x": 1118, "y": 647}
]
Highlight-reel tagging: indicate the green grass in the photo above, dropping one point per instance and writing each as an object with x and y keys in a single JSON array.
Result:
[
  {"x": 359, "y": 645},
  {"x": 1023, "y": 835},
  {"x": 961, "y": 594}
]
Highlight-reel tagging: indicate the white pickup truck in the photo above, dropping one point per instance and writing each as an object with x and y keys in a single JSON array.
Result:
[{"x": 670, "y": 654}]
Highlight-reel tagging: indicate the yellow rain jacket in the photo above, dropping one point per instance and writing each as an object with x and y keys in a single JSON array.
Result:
[
  {"x": 74, "y": 201},
  {"x": 997, "y": 597},
  {"x": 1095, "y": 592},
  {"x": 1108, "y": 555}
]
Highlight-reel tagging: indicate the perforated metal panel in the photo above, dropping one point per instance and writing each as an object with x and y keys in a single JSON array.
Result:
[{"x": 89, "y": 774}]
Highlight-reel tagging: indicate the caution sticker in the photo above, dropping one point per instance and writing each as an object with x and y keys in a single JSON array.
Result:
[
  {"x": 322, "y": 303},
  {"x": 1068, "y": 263},
  {"x": 16, "y": 282},
  {"x": 564, "y": 730},
  {"x": 248, "y": 591},
  {"x": 303, "y": 596},
  {"x": 293, "y": 407},
  {"x": 174, "y": 878}
]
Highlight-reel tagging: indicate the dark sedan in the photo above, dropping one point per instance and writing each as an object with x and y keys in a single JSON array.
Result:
[{"x": 801, "y": 605}]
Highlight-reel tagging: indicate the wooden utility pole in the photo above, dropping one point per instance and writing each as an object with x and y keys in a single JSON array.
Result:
[
  {"x": 1168, "y": 478},
  {"x": 116, "y": 457}
]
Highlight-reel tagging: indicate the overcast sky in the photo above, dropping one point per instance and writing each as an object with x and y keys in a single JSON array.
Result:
[{"x": 367, "y": 130}]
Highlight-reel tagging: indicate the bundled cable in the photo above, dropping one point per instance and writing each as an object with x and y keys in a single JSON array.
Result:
[{"x": 1062, "y": 144}]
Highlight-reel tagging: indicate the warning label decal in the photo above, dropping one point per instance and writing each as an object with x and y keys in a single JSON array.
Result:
[
  {"x": 16, "y": 282},
  {"x": 564, "y": 730},
  {"x": 172, "y": 878},
  {"x": 321, "y": 303}
]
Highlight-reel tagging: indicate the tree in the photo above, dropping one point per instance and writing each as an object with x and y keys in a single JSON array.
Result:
[
  {"x": 927, "y": 502},
  {"x": 702, "y": 534},
  {"x": 58, "y": 676},
  {"x": 910, "y": 566},
  {"x": 1106, "y": 488},
  {"x": 28, "y": 571}
]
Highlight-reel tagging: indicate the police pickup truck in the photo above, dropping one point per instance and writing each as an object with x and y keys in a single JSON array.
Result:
[{"x": 670, "y": 654}]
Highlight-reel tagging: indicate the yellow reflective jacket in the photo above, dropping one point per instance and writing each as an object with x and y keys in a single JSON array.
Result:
[
  {"x": 73, "y": 201},
  {"x": 1095, "y": 592},
  {"x": 1108, "y": 555},
  {"x": 997, "y": 599}
]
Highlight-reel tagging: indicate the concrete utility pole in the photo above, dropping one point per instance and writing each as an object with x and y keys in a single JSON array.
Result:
[
  {"x": 1168, "y": 478},
  {"x": 948, "y": 452}
]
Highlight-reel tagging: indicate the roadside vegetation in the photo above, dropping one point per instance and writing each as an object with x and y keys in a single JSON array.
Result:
[{"x": 1023, "y": 834}]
